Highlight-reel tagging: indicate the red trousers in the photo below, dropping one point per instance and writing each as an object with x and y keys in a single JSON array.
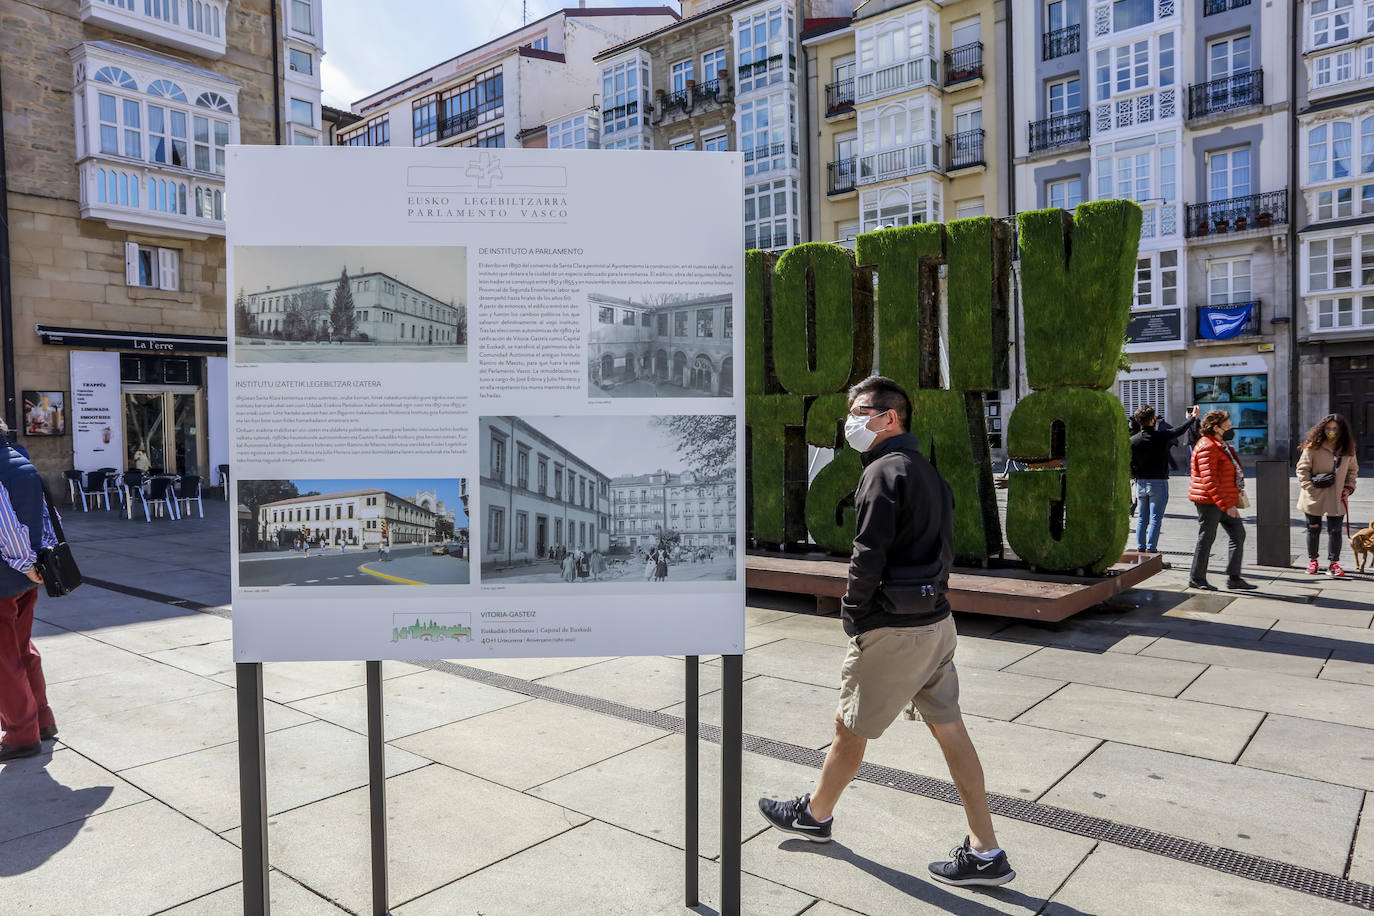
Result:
[{"x": 23, "y": 693}]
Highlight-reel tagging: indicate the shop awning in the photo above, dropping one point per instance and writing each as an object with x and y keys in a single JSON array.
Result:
[{"x": 131, "y": 340}]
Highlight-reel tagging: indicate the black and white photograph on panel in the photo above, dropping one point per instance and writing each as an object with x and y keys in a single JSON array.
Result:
[
  {"x": 576, "y": 499},
  {"x": 350, "y": 304},
  {"x": 660, "y": 345},
  {"x": 329, "y": 532}
]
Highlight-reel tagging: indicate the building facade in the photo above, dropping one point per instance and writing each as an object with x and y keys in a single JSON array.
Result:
[
  {"x": 688, "y": 344},
  {"x": 522, "y": 86},
  {"x": 1167, "y": 104},
  {"x": 833, "y": 141},
  {"x": 384, "y": 309},
  {"x": 356, "y": 518},
  {"x": 536, "y": 496},
  {"x": 1333, "y": 263},
  {"x": 647, "y": 506},
  {"x": 117, "y": 118}
]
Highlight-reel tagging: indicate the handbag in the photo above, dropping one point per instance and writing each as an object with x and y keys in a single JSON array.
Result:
[
  {"x": 1242, "y": 498},
  {"x": 1327, "y": 479},
  {"x": 56, "y": 564}
]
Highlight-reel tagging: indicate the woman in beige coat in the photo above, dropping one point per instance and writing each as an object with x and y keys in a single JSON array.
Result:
[{"x": 1328, "y": 450}]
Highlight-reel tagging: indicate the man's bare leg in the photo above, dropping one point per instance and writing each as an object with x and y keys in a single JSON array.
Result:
[
  {"x": 842, "y": 763},
  {"x": 967, "y": 773}
]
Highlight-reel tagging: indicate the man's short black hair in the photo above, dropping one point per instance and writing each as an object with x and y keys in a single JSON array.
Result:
[{"x": 886, "y": 394}]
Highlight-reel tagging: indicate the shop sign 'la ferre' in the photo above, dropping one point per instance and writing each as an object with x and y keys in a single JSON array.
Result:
[
  {"x": 128, "y": 340},
  {"x": 818, "y": 320}
]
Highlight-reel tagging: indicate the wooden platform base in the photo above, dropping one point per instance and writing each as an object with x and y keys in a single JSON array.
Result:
[{"x": 1005, "y": 592}]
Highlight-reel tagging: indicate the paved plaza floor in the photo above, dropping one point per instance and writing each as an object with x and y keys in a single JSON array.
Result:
[{"x": 1174, "y": 721}]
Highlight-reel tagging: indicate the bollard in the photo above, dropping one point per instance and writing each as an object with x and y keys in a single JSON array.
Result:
[{"x": 1273, "y": 525}]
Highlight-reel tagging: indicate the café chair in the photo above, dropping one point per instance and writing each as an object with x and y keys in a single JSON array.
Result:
[
  {"x": 190, "y": 493},
  {"x": 224, "y": 479},
  {"x": 162, "y": 493},
  {"x": 131, "y": 485}
]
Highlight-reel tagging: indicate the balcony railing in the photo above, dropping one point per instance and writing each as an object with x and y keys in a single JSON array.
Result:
[
  {"x": 456, "y": 124},
  {"x": 710, "y": 89},
  {"x": 1058, "y": 42},
  {"x": 1060, "y": 130},
  {"x": 1251, "y": 327},
  {"x": 1237, "y": 214},
  {"x": 842, "y": 175},
  {"x": 896, "y": 163},
  {"x": 764, "y": 151},
  {"x": 839, "y": 96},
  {"x": 964, "y": 150},
  {"x": 1239, "y": 90},
  {"x": 180, "y": 202},
  {"x": 964, "y": 63},
  {"x": 198, "y": 27},
  {"x": 921, "y": 71},
  {"x": 1212, "y": 7}
]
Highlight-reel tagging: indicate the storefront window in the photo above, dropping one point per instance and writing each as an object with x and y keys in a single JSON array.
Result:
[{"x": 1246, "y": 399}]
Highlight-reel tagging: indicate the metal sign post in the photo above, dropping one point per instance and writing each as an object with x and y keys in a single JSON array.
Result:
[
  {"x": 691, "y": 736},
  {"x": 731, "y": 781},
  {"x": 376, "y": 782},
  {"x": 253, "y": 789}
]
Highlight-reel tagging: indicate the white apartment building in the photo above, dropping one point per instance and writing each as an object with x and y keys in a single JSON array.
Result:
[
  {"x": 353, "y": 517},
  {"x": 384, "y": 309},
  {"x": 533, "y": 86}
]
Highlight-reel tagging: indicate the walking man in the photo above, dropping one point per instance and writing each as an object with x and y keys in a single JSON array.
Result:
[
  {"x": 25, "y": 716},
  {"x": 902, "y": 637}
]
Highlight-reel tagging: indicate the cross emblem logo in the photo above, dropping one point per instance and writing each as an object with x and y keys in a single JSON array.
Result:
[{"x": 484, "y": 168}]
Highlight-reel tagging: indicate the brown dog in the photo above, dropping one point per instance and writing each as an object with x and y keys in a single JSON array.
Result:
[{"x": 1363, "y": 546}]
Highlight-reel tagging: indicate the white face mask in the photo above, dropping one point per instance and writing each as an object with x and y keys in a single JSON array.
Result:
[{"x": 857, "y": 433}]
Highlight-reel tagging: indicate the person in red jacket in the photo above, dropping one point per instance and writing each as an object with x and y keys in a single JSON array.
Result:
[{"x": 1214, "y": 488}]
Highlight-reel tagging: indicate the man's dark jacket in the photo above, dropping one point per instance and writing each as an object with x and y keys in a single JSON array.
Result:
[
  {"x": 21, "y": 479},
  {"x": 905, "y": 533},
  {"x": 1150, "y": 450}
]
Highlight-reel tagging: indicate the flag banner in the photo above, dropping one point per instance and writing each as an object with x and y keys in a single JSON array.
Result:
[{"x": 1223, "y": 323}]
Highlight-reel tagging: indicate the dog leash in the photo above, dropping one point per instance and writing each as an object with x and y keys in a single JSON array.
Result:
[{"x": 1346, "y": 506}]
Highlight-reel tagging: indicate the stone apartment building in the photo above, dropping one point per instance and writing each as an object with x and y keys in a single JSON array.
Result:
[
  {"x": 353, "y": 518},
  {"x": 687, "y": 344},
  {"x": 645, "y": 506},
  {"x": 117, "y": 115},
  {"x": 534, "y": 86}
]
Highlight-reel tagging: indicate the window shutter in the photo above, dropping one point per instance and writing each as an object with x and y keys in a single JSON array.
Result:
[
  {"x": 169, "y": 269},
  {"x": 131, "y": 263}
]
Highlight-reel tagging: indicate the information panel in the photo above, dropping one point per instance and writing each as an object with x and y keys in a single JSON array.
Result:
[{"x": 485, "y": 402}]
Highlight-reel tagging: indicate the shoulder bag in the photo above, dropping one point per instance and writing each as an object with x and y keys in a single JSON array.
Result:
[
  {"x": 56, "y": 564},
  {"x": 1242, "y": 498}
]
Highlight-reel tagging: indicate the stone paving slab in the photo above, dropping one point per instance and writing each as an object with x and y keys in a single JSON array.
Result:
[
  {"x": 790, "y": 711},
  {"x": 1341, "y": 754},
  {"x": 1297, "y": 610},
  {"x": 150, "y": 733},
  {"x": 1075, "y": 634},
  {"x": 435, "y": 817},
  {"x": 191, "y": 629},
  {"x": 1351, "y": 671},
  {"x": 91, "y": 608},
  {"x": 618, "y": 790},
  {"x": 1300, "y": 820},
  {"x": 117, "y": 863},
  {"x": 596, "y": 868},
  {"x": 411, "y": 703},
  {"x": 1362, "y": 859},
  {"x": 1299, "y": 661},
  {"x": 1115, "y": 881},
  {"x": 288, "y": 898},
  {"x": 648, "y": 682},
  {"x": 286, "y": 682},
  {"x": 55, "y": 788},
  {"x": 527, "y": 744},
  {"x": 211, "y": 659},
  {"x": 1001, "y": 694},
  {"x": 1201, "y": 729},
  {"x": 1159, "y": 676},
  {"x": 531, "y": 669},
  {"x": 135, "y": 684},
  {"x": 304, "y": 764},
  {"x": 878, "y": 863},
  {"x": 1320, "y": 635},
  {"x": 68, "y": 656},
  {"x": 755, "y": 615},
  {"x": 1018, "y": 760},
  {"x": 1310, "y": 698},
  {"x": 797, "y": 660},
  {"x": 989, "y": 654},
  {"x": 810, "y": 627}
]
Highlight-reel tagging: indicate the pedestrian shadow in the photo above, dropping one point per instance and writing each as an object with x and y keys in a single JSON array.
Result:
[
  {"x": 29, "y": 787},
  {"x": 963, "y": 900}
]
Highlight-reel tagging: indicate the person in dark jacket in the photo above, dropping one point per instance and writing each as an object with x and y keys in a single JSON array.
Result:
[
  {"x": 1150, "y": 467},
  {"x": 25, "y": 528},
  {"x": 902, "y": 637}
]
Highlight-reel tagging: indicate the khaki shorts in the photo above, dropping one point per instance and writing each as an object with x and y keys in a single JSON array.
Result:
[{"x": 892, "y": 667}]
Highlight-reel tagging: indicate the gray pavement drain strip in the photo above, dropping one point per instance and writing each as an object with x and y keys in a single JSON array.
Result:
[{"x": 1229, "y": 861}]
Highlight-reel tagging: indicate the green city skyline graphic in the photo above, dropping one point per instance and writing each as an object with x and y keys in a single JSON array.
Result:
[{"x": 434, "y": 631}]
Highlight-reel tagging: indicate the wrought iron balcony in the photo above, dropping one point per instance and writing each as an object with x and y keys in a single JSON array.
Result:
[
  {"x": 1237, "y": 214},
  {"x": 964, "y": 63},
  {"x": 839, "y": 96},
  {"x": 1251, "y": 327},
  {"x": 457, "y": 124},
  {"x": 1058, "y": 42},
  {"x": 842, "y": 175},
  {"x": 964, "y": 150},
  {"x": 710, "y": 89},
  {"x": 1212, "y": 7},
  {"x": 1239, "y": 90},
  {"x": 1060, "y": 130}
]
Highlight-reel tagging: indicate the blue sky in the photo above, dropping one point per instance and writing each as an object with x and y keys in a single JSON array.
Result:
[
  {"x": 406, "y": 488},
  {"x": 369, "y": 46}
]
